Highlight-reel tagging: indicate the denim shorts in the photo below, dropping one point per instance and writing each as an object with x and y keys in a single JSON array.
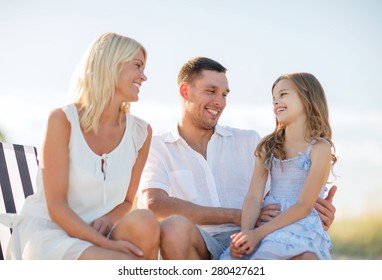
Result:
[{"x": 216, "y": 243}]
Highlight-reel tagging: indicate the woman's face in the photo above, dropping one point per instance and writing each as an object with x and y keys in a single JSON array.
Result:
[{"x": 131, "y": 78}]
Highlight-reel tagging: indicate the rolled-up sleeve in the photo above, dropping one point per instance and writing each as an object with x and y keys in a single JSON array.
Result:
[{"x": 154, "y": 174}]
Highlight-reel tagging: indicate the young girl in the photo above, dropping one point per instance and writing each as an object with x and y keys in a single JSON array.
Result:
[{"x": 298, "y": 155}]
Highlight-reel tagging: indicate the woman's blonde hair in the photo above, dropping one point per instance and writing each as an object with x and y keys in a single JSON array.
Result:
[
  {"x": 313, "y": 99},
  {"x": 96, "y": 76}
]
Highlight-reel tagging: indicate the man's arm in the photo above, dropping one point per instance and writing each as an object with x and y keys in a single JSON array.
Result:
[
  {"x": 163, "y": 205},
  {"x": 324, "y": 207}
]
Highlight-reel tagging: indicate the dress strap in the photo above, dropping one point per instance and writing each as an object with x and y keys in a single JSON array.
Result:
[
  {"x": 310, "y": 147},
  {"x": 70, "y": 111},
  {"x": 268, "y": 163},
  {"x": 304, "y": 159}
]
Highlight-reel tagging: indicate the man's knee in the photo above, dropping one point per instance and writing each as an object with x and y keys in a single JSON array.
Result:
[
  {"x": 180, "y": 239},
  {"x": 177, "y": 229}
]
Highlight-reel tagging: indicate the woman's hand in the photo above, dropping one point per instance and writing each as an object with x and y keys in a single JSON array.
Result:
[
  {"x": 103, "y": 225},
  {"x": 126, "y": 247}
]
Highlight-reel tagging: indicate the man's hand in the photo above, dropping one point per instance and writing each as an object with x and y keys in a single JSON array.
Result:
[
  {"x": 268, "y": 213},
  {"x": 326, "y": 209}
]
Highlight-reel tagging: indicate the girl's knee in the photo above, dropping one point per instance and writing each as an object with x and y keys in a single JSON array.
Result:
[
  {"x": 309, "y": 256},
  {"x": 306, "y": 256}
]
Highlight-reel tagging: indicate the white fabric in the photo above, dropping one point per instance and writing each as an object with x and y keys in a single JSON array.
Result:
[
  {"x": 91, "y": 192},
  {"x": 221, "y": 180},
  {"x": 9, "y": 219}
]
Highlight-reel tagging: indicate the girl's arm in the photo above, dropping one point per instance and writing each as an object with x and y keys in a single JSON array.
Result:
[
  {"x": 253, "y": 199},
  {"x": 242, "y": 242},
  {"x": 317, "y": 177}
]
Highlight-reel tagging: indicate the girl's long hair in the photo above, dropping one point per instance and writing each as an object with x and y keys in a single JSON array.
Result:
[
  {"x": 313, "y": 99},
  {"x": 96, "y": 76}
]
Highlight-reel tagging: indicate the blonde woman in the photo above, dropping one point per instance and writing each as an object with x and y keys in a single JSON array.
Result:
[
  {"x": 92, "y": 157},
  {"x": 298, "y": 155}
]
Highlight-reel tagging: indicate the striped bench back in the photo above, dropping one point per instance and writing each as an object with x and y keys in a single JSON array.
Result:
[{"x": 18, "y": 169}]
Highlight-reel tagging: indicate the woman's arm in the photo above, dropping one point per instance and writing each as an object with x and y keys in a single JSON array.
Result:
[
  {"x": 55, "y": 172},
  {"x": 125, "y": 207}
]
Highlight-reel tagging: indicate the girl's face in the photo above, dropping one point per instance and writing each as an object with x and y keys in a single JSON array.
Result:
[
  {"x": 131, "y": 78},
  {"x": 287, "y": 104}
]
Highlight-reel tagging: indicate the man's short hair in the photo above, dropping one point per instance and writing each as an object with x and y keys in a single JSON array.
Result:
[{"x": 192, "y": 68}]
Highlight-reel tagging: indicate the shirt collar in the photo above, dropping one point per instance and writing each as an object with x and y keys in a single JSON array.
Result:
[
  {"x": 222, "y": 131},
  {"x": 174, "y": 136}
]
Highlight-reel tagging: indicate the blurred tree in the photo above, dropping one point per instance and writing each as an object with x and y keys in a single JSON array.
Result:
[{"x": 2, "y": 136}]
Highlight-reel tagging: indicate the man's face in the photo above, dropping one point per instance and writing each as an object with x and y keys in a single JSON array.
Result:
[{"x": 206, "y": 99}]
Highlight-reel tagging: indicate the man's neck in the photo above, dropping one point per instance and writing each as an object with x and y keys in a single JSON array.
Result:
[{"x": 196, "y": 138}]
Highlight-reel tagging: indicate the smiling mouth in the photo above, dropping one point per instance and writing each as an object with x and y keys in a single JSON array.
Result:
[
  {"x": 137, "y": 85},
  {"x": 280, "y": 110},
  {"x": 212, "y": 111}
]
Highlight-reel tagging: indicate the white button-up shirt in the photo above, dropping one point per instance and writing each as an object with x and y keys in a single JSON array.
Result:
[{"x": 220, "y": 180}]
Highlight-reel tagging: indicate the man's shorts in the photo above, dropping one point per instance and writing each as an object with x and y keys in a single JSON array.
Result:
[{"x": 217, "y": 243}]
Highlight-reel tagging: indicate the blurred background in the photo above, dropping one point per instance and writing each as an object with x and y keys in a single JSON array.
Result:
[{"x": 338, "y": 41}]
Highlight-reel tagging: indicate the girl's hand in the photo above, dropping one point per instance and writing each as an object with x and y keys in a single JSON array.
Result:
[
  {"x": 235, "y": 251},
  {"x": 103, "y": 225},
  {"x": 244, "y": 242}
]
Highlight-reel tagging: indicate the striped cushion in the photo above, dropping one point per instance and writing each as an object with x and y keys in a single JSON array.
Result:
[{"x": 18, "y": 169}]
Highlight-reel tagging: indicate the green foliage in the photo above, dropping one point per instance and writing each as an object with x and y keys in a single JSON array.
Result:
[
  {"x": 358, "y": 238},
  {"x": 2, "y": 137}
]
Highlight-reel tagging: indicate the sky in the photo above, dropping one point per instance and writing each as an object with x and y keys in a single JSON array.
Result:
[{"x": 338, "y": 41}]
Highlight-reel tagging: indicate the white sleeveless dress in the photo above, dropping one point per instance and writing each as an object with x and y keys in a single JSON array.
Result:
[{"x": 96, "y": 185}]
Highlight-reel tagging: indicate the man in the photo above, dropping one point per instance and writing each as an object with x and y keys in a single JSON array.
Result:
[{"x": 196, "y": 176}]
